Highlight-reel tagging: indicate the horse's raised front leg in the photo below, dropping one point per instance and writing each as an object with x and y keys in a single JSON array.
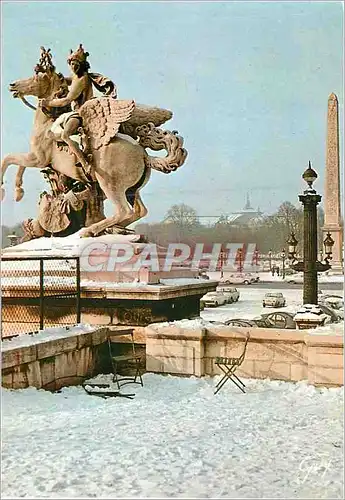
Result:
[
  {"x": 23, "y": 160},
  {"x": 19, "y": 191}
]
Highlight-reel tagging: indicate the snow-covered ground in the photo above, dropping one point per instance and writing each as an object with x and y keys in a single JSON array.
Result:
[
  {"x": 175, "y": 439},
  {"x": 322, "y": 278},
  {"x": 267, "y": 277}
]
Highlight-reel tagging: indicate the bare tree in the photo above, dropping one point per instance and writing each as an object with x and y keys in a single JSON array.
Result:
[
  {"x": 270, "y": 234},
  {"x": 291, "y": 216},
  {"x": 182, "y": 215}
]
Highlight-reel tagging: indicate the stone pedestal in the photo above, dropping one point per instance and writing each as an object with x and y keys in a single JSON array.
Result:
[
  {"x": 108, "y": 296},
  {"x": 309, "y": 316}
]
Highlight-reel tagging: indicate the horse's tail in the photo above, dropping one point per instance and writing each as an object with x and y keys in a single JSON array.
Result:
[{"x": 157, "y": 139}]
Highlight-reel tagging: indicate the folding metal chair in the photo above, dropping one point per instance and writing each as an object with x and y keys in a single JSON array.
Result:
[
  {"x": 101, "y": 392},
  {"x": 128, "y": 359},
  {"x": 229, "y": 366}
]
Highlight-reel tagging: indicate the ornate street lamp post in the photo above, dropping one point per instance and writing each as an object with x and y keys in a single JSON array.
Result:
[
  {"x": 292, "y": 245},
  {"x": 310, "y": 264}
]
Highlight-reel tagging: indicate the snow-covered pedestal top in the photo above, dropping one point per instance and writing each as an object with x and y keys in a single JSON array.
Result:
[
  {"x": 309, "y": 316},
  {"x": 68, "y": 246}
]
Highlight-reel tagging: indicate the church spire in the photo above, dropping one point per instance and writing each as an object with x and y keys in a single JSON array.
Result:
[{"x": 247, "y": 205}]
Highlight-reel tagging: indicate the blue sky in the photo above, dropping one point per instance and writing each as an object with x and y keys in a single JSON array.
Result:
[{"x": 248, "y": 83}]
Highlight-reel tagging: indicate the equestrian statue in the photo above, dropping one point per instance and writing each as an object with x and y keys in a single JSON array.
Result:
[{"x": 90, "y": 148}]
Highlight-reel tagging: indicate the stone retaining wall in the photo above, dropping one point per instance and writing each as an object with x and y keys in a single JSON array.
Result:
[
  {"x": 271, "y": 353},
  {"x": 57, "y": 362},
  {"x": 276, "y": 354}
]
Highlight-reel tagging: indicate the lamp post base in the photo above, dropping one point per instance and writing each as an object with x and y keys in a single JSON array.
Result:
[{"x": 309, "y": 316}]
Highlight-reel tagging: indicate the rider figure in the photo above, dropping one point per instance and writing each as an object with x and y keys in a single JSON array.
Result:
[{"x": 80, "y": 90}]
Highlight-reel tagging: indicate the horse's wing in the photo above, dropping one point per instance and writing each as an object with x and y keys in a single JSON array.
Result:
[
  {"x": 142, "y": 115},
  {"x": 102, "y": 118}
]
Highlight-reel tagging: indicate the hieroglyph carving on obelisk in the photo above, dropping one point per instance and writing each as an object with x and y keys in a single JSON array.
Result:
[{"x": 333, "y": 222}]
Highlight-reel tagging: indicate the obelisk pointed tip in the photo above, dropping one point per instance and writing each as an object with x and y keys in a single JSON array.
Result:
[{"x": 333, "y": 97}]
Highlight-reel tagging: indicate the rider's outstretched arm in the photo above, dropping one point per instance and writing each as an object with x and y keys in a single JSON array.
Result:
[{"x": 75, "y": 90}]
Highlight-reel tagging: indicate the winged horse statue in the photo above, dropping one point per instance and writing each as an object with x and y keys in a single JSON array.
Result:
[{"x": 117, "y": 133}]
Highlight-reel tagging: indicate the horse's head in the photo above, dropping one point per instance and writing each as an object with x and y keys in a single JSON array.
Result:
[
  {"x": 45, "y": 82},
  {"x": 38, "y": 85}
]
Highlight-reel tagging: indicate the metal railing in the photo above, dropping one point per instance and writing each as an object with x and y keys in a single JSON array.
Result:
[{"x": 39, "y": 292}]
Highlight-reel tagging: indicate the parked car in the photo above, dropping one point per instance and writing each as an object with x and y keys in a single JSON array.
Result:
[
  {"x": 214, "y": 299},
  {"x": 332, "y": 315},
  {"x": 274, "y": 300},
  {"x": 297, "y": 278},
  {"x": 250, "y": 277},
  {"x": 331, "y": 295},
  {"x": 294, "y": 278},
  {"x": 279, "y": 319},
  {"x": 240, "y": 322},
  {"x": 334, "y": 302},
  {"x": 339, "y": 312},
  {"x": 231, "y": 293},
  {"x": 236, "y": 279}
]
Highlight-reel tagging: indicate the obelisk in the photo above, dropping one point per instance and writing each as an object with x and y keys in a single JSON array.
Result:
[{"x": 331, "y": 198}]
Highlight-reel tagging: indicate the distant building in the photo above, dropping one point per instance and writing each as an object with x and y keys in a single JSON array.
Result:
[{"x": 247, "y": 217}]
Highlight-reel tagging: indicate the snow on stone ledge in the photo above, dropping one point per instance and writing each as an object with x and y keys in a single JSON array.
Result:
[
  {"x": 46, "y": 335},
  {"x": 32, "y": 281},
  {"x": 329, "y": 329},
  {"x": 67, "y": 245},
  {"x": 190, "y": 324},
  {"x": 184, "y": 281},
  {"x": 137, "y": 284},
  {"x": 197, "y": 323}
]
